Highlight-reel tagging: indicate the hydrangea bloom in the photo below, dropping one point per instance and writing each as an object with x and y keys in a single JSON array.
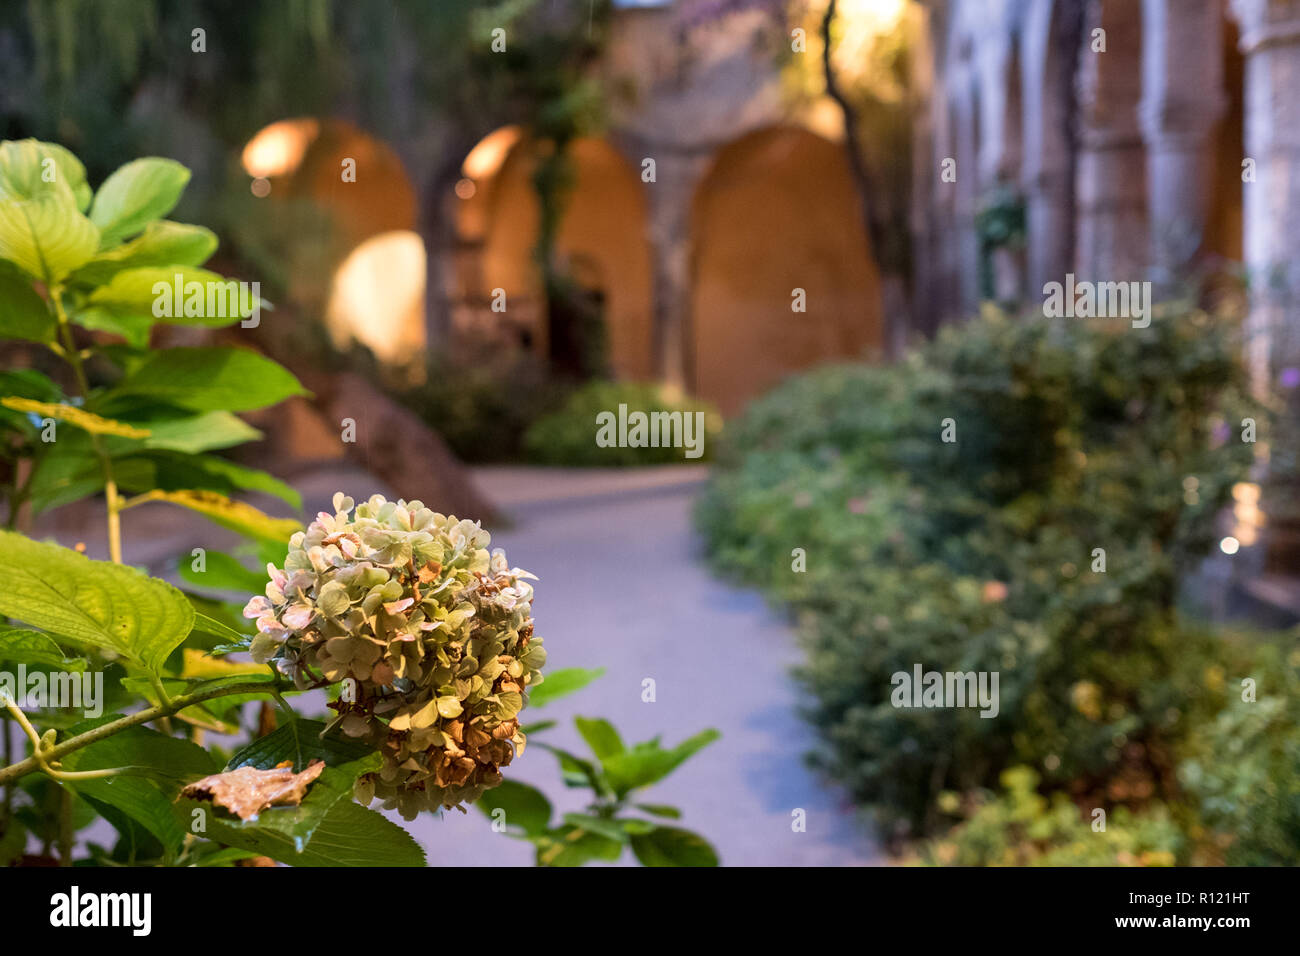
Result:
[{"x": 430, "y": 636}]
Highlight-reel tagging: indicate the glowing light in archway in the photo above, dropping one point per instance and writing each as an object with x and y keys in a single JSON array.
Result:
[
  {"x": 486, "y": 158},
  {"x": 378, "y": 297},
  {"x": 278, "y": 149}
]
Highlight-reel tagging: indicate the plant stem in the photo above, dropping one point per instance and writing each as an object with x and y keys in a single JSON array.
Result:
[
  {"x": 177, "y": 704},
  {"x": 79, "y": 370}
]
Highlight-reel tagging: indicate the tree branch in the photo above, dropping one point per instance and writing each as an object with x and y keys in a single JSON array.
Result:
[{"x": 175, "y": 705}]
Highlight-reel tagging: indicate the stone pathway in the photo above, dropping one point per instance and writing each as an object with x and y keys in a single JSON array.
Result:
[{"x": 622, "y": 586}]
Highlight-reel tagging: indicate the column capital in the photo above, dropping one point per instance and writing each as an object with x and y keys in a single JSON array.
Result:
[{"x": 1265, "y": 23}]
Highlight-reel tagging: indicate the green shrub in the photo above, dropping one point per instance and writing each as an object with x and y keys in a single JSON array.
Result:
[
  {"x": 483, "y": 408},
  {"x": 1244, "y": 769},
  {"x": 978, "y": 554},
  {"x": 1020, "y": 827},
  {"x": 568, "y": 436}
]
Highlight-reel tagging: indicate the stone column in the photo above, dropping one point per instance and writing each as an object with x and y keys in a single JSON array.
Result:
[
  {"x": 1111, "y": 178},
  {"x": 1048, "y": 53},
  {"x": 1182, "y": 101},
  {"x": 670, "y": 202},
  {"x": 1270, "y": 40}
]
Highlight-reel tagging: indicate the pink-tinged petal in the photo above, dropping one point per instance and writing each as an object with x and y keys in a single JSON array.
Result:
[
  {"x": 278, "y": 577},
  {"x": 348, "y": 546},
  {"x": 397, "y": 607},
  {"x": 297, "y": 616},
  {"x": 256, "y": 606}
]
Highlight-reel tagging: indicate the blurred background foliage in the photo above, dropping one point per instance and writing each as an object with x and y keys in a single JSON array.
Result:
[{"x": 978, "y": 555}]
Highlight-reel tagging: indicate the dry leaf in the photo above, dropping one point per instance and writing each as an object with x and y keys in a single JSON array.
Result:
[{"x": 247, "y": 791}]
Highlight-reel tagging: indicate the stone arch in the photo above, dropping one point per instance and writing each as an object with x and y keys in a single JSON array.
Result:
[
  {"x": 775, "y": 213},
  {"x": 602, "y": 241},
  {"x": 342, "y": 207}
]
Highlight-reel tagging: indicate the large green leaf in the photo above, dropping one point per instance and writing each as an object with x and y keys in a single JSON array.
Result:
[
  {"x": 221, "y": 572},
  {"x": 299, "y": 742},
  {"x": 21, "y": 646},
  {"x": 600, "y": 736},
  {"x": 46, "y": 237},
  {"x": 670, "y": 846},
  {"x": 23, "y": 313},
  {"x": 91, "y": 603},
  {"x": 140, "y": 291},
  {"x": 204, "y": 379},
  {"x": 523, "y": 806},
  {"x": 196, "y": 433},
  {"x": 561, "y": 683},
  {"x": 350, "y": 835},
  {"x": 30, "y": 168},
  {"x": 162, "y": 243},
  {"x": 160, "y": 766},
  {"x": 647, "y": 762},
  {"x": 142, "y": 190}
]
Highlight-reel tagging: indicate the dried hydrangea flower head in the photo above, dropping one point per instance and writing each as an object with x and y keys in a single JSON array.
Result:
[{"x": 431, "y": 637}]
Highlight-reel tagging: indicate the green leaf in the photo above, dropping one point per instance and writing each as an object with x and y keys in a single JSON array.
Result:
[
  {"x": 214, "y": 628},
  {"x": 610, "y": 829},
  {"x": 29, "y": 383},
  {"x": 222, "y": 572},
  {"x": 524, "y": 806},
  {"x": 561, "y": 683},
  {"x": 647, "y": 763},
  {"x": 46, "y": 237},
  {"x": 24, "y": 314},
  {"x": 570, "y": 846},
  {"x": 92, "y": 603},
  {"x": 660, "y": 810},
  {"x": 134, "y": 327},
  {"x": 139, "y": 291},
  {"x": 299, "y": 823},
  {"x": 176, "y": 471},
  {"x": 300, "y": 742},
  {"x": 30, "y": 169},
  {"x": 160, "y": 764},
  {"x": 86, "y": 421},
  {"x": 197, "y": 433},
  {"x": 141, "y": 191},
  {"x": 238, "y": 516},
  {"x": 162, "y": 243},
  {"x": 577, "y": 772},
  {"x": 600, "y": 736},
  {"x": 21, "y": 646},
  {"x": 670, "y": 846},
  {"x": 204, "y": 379},
  {"x": 350, "y": 835}
]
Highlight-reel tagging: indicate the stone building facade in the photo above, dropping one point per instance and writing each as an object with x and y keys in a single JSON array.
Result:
[{"x": 1146, "y": 139}]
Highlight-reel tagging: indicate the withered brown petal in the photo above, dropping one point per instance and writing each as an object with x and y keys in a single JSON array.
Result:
[{"x": 247, "y": 791}]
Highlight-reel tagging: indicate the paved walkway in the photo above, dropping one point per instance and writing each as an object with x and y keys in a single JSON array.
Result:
[{"x": 622, "y": 586}]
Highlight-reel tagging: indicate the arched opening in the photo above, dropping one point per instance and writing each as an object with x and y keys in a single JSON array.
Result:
[
  {"x": 601, "y": 245},
  {"x": 339, "y": 218},
  {"x": 775, "y": 214}
]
